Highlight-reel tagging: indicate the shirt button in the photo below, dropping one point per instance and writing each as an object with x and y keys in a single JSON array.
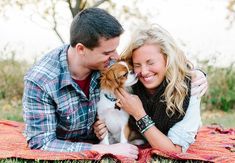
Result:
[
  {"x": 68, "y": 118},
  {"x": 88, "y": 128}
]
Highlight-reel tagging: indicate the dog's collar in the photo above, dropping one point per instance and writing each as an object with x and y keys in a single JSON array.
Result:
[{"x": 110, "y": 97}]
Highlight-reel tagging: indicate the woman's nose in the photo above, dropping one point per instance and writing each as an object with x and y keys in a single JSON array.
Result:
[{"x": 144, "y": 70}]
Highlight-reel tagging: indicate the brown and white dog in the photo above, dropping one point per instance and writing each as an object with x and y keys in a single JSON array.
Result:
[{"x": 116, "y": 120}]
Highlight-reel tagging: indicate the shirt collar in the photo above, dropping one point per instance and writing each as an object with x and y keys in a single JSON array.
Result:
[{"x": 66, "y": 76}]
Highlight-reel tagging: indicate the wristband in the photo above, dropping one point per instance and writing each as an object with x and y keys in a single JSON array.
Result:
[{"x": 144, "y": 123}]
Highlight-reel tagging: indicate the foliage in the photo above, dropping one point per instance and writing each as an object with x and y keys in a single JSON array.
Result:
[
  {"x": 49, "y": 12},
  {"x": 221, "y": 93},
  {"x": 11, "y": 75},
  {"x": 231, "y": 14},
  {"x": 11, "y": 86}
]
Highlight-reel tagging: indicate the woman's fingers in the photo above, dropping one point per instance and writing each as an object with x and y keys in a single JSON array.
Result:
[
  {"x": 122, "y": 94},
  {"x": 118, "y": 94}
]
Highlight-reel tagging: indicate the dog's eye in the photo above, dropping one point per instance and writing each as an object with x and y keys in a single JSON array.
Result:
[{"x": 125, "y": 75}]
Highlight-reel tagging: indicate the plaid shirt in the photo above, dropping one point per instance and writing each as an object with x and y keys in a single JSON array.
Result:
[{"x": 57, "y": 113}]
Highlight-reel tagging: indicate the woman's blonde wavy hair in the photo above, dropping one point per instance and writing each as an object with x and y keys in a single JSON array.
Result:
[{"x": 178, "y": 67}]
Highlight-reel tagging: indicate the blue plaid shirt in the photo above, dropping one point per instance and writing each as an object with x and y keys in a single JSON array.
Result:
[{"x": 58, "y": 115}]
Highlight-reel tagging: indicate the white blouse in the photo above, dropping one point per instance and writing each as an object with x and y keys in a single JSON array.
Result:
[{"x": 183, "y": 132}]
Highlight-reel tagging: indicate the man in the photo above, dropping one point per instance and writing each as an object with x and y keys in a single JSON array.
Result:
[{"x": 62, "y": 89}]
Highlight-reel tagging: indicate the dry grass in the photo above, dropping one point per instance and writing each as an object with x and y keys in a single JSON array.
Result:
[{"x": 225, "y": 119}]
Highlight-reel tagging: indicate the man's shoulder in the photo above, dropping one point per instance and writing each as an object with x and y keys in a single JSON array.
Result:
[{"x": 49, "y": 66}]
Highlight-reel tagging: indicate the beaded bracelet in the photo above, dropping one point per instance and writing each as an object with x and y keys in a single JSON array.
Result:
[{"x": 144, "y": 123}]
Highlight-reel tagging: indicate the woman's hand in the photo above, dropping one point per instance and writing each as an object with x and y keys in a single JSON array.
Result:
[
  {"x": 199, "y": 84},
  {"x": 130, "y": 103},
  {"x": 100, "y": 129}
]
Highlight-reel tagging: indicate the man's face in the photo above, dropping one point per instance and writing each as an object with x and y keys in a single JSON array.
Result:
[{"x": 99, "y": 57}]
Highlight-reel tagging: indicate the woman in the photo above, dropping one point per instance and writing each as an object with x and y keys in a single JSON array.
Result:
[{"x": 164, "y": 111}]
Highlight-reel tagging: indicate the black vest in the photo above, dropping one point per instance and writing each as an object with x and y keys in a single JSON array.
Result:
[{"x": 155, "y": 106}]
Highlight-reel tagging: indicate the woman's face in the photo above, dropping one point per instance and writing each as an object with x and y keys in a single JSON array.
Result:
[{"x": 150, "y": 65}]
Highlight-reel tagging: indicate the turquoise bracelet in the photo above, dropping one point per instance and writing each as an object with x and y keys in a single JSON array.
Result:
[{"x": 144, "y": 123}]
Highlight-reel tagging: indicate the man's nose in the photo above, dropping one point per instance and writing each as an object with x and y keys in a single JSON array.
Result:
[{"x": 115, "y": 56}]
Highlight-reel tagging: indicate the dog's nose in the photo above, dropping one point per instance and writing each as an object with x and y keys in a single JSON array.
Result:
[
  {"x": 137, "y": 74},
  {"x": 131, "y": 72}
]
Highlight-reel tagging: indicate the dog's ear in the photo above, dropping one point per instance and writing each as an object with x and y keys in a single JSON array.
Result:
[
  {"x": 108, "y": 80},
  {"x": 123, "y": 58},
  {"x": 128, "y": 61},
  {"x": 103, "y": 72}
]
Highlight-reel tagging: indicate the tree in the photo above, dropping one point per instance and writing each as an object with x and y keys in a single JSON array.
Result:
[
  {"x": 55, "y": 13},
  {"x": 231, "y": 15}
]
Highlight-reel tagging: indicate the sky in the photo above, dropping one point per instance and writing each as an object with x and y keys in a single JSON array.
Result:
[{"x": 199, "y": 25}]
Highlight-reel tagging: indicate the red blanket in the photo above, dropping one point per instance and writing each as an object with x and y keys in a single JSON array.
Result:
[{"x": 212, "y": 144}]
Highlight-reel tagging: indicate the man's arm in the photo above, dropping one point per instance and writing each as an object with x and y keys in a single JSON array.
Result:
[{"x": 41, "y": 122}]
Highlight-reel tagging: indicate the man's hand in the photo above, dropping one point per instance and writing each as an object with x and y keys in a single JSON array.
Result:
[
  {"x": 100, "y": 129},
  {"x": 199, "y": 84},
  {"x": 123, "y": 149}
]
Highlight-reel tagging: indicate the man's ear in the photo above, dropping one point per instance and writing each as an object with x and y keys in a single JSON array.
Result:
[{"x": 80, "y": 48}]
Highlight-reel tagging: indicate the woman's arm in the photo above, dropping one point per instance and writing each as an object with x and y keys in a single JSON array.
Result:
[
  {"x": 180, "y": 136},
  {"x": 154, "y": 136},
  {"x": 183, "y": 133}
]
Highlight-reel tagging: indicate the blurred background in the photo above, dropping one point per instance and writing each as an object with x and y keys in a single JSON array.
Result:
[{"x": 205, "y": 29}]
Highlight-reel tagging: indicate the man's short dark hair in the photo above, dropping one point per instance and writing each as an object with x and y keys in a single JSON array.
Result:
[{"x": 91, "y": 24}]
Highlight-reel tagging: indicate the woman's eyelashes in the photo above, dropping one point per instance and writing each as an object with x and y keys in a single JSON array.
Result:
[
  {"x": 149, "y": 62},
  {"x": 136, "y": 65}
]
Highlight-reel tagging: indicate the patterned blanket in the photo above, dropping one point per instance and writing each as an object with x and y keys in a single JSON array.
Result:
[{"x": 213, "y": 144}]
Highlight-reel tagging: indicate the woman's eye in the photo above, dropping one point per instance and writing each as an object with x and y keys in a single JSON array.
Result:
[
  {"x": 136, "y": 66},
  {"x": 150, "y": 63}
]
